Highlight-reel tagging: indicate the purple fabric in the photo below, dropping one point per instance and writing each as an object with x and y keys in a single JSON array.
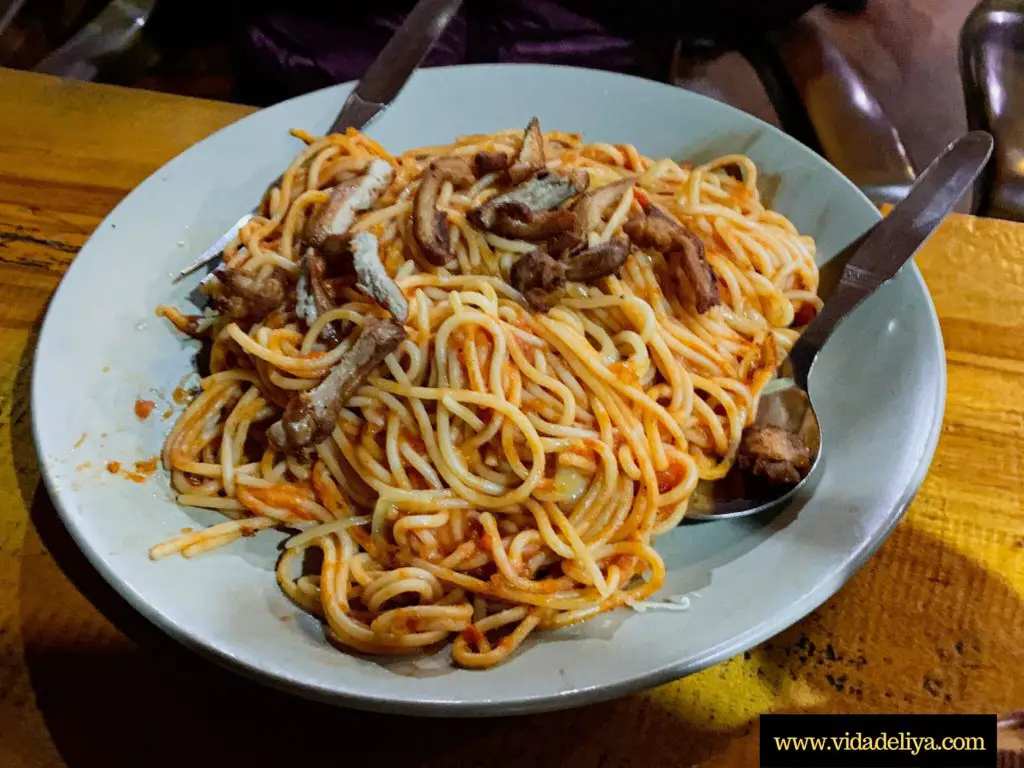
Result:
[
  {"x": 291, "y": 48},
  {"x": 293, "y": 51}
]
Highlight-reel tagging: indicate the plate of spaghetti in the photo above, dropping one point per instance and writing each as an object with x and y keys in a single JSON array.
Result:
[{"x": 426, "y": 437}]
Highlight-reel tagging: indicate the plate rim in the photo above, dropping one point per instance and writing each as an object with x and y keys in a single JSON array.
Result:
[{"x": 578, "y": 696}]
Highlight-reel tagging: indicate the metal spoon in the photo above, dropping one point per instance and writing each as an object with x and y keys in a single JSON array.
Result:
[{"x": 858, "y": 271}]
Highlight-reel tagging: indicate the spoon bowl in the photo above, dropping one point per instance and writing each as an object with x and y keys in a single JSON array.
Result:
[{"x": 739, "y": 493}]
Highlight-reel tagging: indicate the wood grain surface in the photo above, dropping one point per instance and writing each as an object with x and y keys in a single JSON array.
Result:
[{"x": 932, "y": 624}]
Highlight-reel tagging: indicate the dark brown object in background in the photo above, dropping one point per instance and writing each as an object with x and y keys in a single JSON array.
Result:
[
  {"x": 903, "y": 51},
  {"x": 823, "y": 100},
  {"x": 172, "y": 52},
  {"x": 1010, "y": 740},
  {"x": 194, "y": 58},
  {"x": 992, "y": 63},
  {"x": 36, "y": 27}
]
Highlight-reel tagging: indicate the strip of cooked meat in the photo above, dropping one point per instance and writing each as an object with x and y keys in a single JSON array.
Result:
[
  {"x": 244, "y": 296},
  {"x": 531, "y": 160},
  {"x": 348, "y": 199},
  {"x": 597, "y": 262},
  {"x": 310, "y": 416},
  {"x": 336, "y": 286},
  {"x": 537, "y": 276},
  {"x": 517, "y": 221},
  {"x": 335, "y": 248},
  {"x": 591, "y": 207},
  {"x": 374, "y": 279},
  {"x": 544, "y": 192},
  {"x": 485, "y": 162},
  {"x": 527, "y": 211},
  {"x": 698, "y": 271},
  {"x": 337, "y": 252},
  {"x": 429, "y": 225},
  {"x": 563, "y": 244},
  {"x": 649, "y": 232},
  {"x": 658, "y": 229},
  {"x": 774, "y": 454},
  {"x": 312, "y": 297}
]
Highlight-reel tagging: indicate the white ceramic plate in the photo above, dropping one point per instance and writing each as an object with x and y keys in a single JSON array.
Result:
[{"x": 879, "y": 390}]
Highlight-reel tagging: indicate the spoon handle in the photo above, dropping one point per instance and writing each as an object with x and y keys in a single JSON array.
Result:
[{"x": 894, "y": 240}]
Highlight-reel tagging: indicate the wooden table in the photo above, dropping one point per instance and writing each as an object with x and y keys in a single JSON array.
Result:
[{"x": 932, "y": 624}]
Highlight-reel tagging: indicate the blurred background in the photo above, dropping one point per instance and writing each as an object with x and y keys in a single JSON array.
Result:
[{"x": 878, "y": 87}]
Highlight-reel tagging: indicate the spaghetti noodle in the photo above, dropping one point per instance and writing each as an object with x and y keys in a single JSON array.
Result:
[{"x": 508, "y": 466}]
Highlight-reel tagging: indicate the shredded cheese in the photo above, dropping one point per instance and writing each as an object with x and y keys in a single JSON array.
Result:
[{"x": 677, "y": 603}]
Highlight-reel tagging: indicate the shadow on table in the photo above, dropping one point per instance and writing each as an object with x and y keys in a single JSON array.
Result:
[
  {"x": 107, "y": 701},
  {"x": 923, "y": 631},
  {"x": 147, "y": 701},
  {"x": 112, "y": 702}
]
